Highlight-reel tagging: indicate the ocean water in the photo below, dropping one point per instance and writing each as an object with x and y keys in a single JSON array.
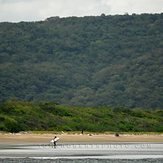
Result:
[
  {"x": 88, "y": 160},
  {"x": 83, "y": 153}
]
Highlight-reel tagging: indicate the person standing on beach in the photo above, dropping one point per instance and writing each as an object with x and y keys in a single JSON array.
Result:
[{"x": 55, "y": 140}]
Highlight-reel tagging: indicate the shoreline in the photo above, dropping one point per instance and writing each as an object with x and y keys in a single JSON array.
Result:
[{"x": 19, "y": 138}]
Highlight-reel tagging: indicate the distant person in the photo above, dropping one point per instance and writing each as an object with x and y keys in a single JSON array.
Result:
[
  {"x": 54, "y": 141},
  {"x": 116, "y": 134}
]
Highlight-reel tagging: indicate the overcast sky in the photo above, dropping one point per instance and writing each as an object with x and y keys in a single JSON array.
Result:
[{"x": 32, "y": 10}]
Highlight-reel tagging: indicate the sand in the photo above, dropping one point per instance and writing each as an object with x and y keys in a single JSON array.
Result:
[{"x": 69, "y": 138}]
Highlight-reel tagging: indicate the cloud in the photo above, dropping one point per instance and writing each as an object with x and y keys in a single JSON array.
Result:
[
  {"x": 74, "y": 8},
  {"x": 135, "y": 6},
  {"x": 31, "y": 10}
]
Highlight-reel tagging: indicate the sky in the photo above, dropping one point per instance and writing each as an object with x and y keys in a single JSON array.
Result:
[{"x": 35, "y": 10}]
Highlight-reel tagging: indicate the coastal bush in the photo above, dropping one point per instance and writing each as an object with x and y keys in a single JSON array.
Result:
[{"x": 27, "y": 116}]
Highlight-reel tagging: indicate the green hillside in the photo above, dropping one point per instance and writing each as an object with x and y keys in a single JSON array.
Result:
[
  {"x": 25, "y": 116},
  {"x": 87, "y": 61}
]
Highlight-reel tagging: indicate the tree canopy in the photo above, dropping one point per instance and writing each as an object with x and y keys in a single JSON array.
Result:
[{"x": 84, "y": 61}]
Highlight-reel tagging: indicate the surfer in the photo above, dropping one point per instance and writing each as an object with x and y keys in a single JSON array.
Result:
[{"x": 54, "y": 141}]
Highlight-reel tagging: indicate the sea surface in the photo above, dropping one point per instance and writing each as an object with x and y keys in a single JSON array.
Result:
[{"x": 82, "y": 153}]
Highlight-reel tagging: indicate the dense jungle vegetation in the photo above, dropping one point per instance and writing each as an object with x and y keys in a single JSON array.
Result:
[
  {"x": 18, "y": 116},
  {"x": 83, "y": 61}
]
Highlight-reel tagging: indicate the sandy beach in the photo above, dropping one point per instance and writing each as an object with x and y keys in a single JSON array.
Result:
[
  {"x": 30, "y": 147},
  {"x": 45, "y": 138}
]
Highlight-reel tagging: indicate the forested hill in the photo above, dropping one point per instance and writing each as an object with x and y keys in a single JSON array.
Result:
[{"x": 89, "y": 61}]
